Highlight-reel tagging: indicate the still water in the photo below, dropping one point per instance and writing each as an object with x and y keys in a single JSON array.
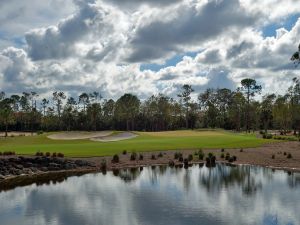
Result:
[{"x": 159, "y": 195}]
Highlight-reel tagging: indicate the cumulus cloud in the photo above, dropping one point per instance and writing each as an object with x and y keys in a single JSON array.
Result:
[
  {"x": 100, "y": 45},
  {"x": 191, "y": 26}
]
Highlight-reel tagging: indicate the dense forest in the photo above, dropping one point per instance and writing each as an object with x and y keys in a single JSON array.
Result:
[{"x": 215, "y": 108}]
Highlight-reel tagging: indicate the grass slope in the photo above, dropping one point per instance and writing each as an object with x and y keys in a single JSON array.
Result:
[{"x": 146, "y": 141}]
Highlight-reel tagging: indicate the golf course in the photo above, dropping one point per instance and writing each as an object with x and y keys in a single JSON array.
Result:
[{"x": 90, "y": 146}]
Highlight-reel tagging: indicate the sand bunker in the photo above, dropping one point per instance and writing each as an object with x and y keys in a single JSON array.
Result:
[
  {"x": 116, "y": 137},
  {"x": 77, "y": 135}
]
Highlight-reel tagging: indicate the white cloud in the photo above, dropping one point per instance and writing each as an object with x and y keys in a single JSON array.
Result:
[{"x": 101, "y": 47}]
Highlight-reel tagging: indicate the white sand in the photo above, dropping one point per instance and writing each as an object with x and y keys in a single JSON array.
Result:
[
  {"x": 116, "y": 137},
  {"x": 78, "y": 135}
]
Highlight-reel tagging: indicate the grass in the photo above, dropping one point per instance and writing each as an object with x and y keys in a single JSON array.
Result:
[{"x": 146, "y": 141}]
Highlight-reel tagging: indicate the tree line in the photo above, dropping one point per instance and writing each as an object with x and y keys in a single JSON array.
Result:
[{"x": 214, "y": 108}]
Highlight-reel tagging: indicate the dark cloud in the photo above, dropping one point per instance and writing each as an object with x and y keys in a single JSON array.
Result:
[{"x": 192, "y": 26}]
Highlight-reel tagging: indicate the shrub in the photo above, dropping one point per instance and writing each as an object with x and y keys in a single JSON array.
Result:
[
  {"x": 211, "y": 159},
  {"x": 103, "y": 165},
  {"x": 115, "y": 159},
  {"x": 195, "y": 153},
  {"x": 8, "y": 153},
  {"x": 153, "y": 157},
  {"x": 180, "y": 159},
  {"x": 284, "y": 153},
  {"x": 48, "y": 154},
  {"x": 201, "y": 154},
  {"x": 227, "y": 156},
  {"x": 186, "y": 162},
  {"x": 171, "y": 163},
  {"x": 222, "y": 156},
  {"x": 273, "y": 156},
  {"x": 0, "y": 153},
  {"x": 177, "y": 155},
  {"x": 289, "y": 156},
  {"x": 160, "y": 155},
  {"x": 133, "y": 156},
  {"x": 124, "y": 152},
  {"x": 38, "y": 153},
  {"x": 241, "y": 150},
  {"x": 60, "y": 155},
  {"x": 40, "y": 132},
  {"x": 234, "y": 158},
  {"x": 267, "y": 136},
  {"x": 141, "y": 157},
  {"x": 222, "y": 150},
  {"x": 190, "y": 157},
  {"x": 54, "y": 154}
]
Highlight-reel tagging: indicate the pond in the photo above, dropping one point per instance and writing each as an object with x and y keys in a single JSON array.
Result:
[{"x": 159, "y": 195}]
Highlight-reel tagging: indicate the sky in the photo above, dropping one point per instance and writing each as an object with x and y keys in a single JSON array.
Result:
[{"x": 146, "y": 47}]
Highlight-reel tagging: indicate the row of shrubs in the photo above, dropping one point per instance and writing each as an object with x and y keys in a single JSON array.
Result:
[
  {"x": 134, "y": 156},
  {"x": 288, "y": 155},
  {"x": 276, "y": 137},
  {"x": 7, "y": 153},
  {"x": 48, "y": 154}
]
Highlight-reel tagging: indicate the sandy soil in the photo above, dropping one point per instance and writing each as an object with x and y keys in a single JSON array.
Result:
[
  {"x": 77, "y": 135},
  {"x": 16, "y": 134},
  {"x": 261, "y": 156},
  {"x": 116, "y": 137}
]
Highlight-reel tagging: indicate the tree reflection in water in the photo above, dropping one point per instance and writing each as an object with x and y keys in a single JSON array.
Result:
[{"x": 216, "y": 178}]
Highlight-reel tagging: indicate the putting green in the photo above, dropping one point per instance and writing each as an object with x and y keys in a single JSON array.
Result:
[{"x": 146, "y": 141}]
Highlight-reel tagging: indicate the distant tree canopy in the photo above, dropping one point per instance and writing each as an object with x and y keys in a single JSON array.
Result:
[{"x": 214, "y": 108}]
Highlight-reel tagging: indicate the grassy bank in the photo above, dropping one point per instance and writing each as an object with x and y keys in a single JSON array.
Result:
[{"x": 146, "y": 141}]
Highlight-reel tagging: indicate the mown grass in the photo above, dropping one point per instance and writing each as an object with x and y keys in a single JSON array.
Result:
[{"x": 159, "y": 141}]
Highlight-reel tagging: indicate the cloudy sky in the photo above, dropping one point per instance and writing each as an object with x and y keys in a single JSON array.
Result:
[{"x": 146, "y": 46}]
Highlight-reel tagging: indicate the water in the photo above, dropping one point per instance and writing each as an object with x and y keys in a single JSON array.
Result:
[{"x": 162, "y": 196}]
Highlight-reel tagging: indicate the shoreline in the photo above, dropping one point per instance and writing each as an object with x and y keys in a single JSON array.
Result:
[{"x": 260, "y": 156}]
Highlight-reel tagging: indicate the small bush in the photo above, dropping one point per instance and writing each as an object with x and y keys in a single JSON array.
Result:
[
  {"x": 38, "y": 153},
  {"x": 284, "y": 153},
  {"x": 177, "y": 155},
  {"x": 222, "y": 150},
  {"x": 241, "y": 150},
  {"x": 273, "y": 156},
  {"x": 267, "y": 136},
  {"x": 227, "y": 156},
  {"x": 180, "y": 159},
  {"x": 234, "y": 158},
  {"x": 186, "y": 162},
  {"x": 40, "y": 132},
  {"x": 171, "y": 163},
  {"x": 201, "y": 154},
  {"x": 141, "y": 157},
  {"x": 54, "y": 154},
  {"x": 289, "y": 156},
  {"x": 222, "y": 156},
  {"x": 124, "y": 152},
  {"x": 60, "y": 155},
  {"x": 153, "y": 157},
  {"x": 190, "y": 157},
  {"x": 115, "y": 159},
  {"x": 160, "y": 155},
  {"x": 103, "y": 165},
  {"x": 0, "y": 153},
  {"x": 133, "y": 156},
  {"x": 8, "y": 153},
  {"x": 48, "y": 154}
]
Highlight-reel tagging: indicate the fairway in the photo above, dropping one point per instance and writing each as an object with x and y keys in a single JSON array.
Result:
[{"x": 146, "y": 141}]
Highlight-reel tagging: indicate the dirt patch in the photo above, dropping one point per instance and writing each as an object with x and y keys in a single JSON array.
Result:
[
  {"x": 77, "y": 135},
  {"x": 116, "y": 137}
]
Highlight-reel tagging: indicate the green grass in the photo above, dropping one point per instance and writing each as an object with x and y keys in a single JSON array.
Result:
[{"x": 158, "y": 141}]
